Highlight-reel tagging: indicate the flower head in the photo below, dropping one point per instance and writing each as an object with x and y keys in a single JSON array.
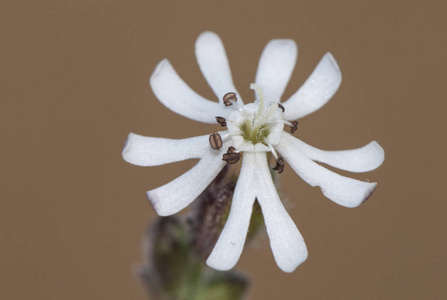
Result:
[{"x": 253, "y": 130}]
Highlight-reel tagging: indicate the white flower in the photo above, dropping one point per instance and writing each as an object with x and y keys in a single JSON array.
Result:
[{"x": 253, "y": 130}]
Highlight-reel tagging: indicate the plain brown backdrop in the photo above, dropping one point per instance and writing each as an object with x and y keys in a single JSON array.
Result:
[{"x": 74, "y": 82}]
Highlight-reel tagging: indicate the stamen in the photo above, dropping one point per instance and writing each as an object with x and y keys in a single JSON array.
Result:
[
  {"x": 279, "y": 165},
  {"x": 294, "y": 126},
  {"x": 272, "y": 149},
  {"x": 221, "y": 121},
  {"x": 225, "y": 135},
  {"x": 215, "y": 141},
  {"x": 229, "y": 98},
  {"x": 281, "y": 106},
  {"x": 231, "y": 157},
  {"x": 231, "y": 149}
]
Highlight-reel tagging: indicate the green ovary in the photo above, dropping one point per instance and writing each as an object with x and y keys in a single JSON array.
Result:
[{"x": 255, "y": 134}]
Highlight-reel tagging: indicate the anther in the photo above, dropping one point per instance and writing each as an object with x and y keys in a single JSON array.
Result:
[
  {"x": 281, "y": 106},
  {"x": 231, "y": 157},
  {"x": 215, "y": 141},
  {"x": 221, "y": 121},
  {"x": 294, "y": 127},
  {"x": 229, "y": 98},
  {"x": 279, "y": 165}
]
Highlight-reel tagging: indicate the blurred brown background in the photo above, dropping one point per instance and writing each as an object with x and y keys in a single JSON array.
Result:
[{"x": 74, "y": 82}]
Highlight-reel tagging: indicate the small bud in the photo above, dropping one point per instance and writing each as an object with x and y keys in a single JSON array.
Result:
[
  {"x": 209, "y": 213},
  {"x": 221, "y": 121},
  {"x": 229, "y": 98},
  {"x": 281, "y": 106},
  {"x": 231, "y": 157},
  {"x": 167, "y": 257},
  {"x": 294, "y": 127},
  {"x": 215, "y": 141},
  {"x": 224, "y": 286},
  {"x": 279, "y": 165}
]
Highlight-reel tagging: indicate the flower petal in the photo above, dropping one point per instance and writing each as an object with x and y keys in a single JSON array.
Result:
[
  {"x": 231, "y": 241},
  {"x": 287, "y": 244},
  {"x": 342, "y": 190},
  {"x": 180, "y": 192},
  {"x": 316, "y": 91},
  {"x": 152, "y": 151},
  {"x": 364, "y": 159},
  {"x": 214, "y": 64},
  {"x": 275, "y": 68},
  {"x": 286, "y": 241},
  {"x": 176, "y": 95}
]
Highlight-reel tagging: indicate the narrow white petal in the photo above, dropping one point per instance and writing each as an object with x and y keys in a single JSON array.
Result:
[
  {"x": 287, "y": 244},
  {"x": 152, "y": 151},
  {"x": 342, "y": 190},
  {"x": 231, "y": 242},
  {"x": 176, "y": 95},
  {"x": 316, "y": 91},
  {"x": 180, "y": 192},
  {"x": 275, "y": 68},
  {"x": 213, "y": 62},
  {"x": 364, "y": 159}
]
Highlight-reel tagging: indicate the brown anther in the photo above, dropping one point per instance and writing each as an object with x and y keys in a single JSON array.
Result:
[
  {"x": 279, "y": 165},
  {"x": 231, "y": 157},
  {"x": 281, "y": 106},
  {"x": 229, "y": 98},
  {"x": 215, "y": 141},
  {"x": 221, "y": 121},
  {"x": 294, "y": 127}
]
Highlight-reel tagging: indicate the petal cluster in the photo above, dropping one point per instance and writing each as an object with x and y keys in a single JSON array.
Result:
[{"x": 253, "y": 130}]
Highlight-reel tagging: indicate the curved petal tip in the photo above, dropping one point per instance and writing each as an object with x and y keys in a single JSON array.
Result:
[
  {"x": 331, "y": 58},
  {"x": 207, "y": 34},
  {"x": 358, "y": 197},
  {"x": 160, "y": 66},
  {"x": 126, "y": 146},
  {"x": 218, "y": 265},
  {"x": 291, "y": 266},
  {"x": 368, "y": 193},
  {"x": 127, "y": 149},
  {"x": 379, "y": 153},
  {"x": 157, "y": 205}
]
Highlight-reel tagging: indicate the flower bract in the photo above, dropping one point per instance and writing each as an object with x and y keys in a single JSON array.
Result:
[{"x": 252, "y": 131}]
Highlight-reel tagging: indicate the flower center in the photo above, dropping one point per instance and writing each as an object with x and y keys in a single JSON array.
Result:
[
  {"x": 256, "y": 124},
  {"x": 257, "y": 134}
]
